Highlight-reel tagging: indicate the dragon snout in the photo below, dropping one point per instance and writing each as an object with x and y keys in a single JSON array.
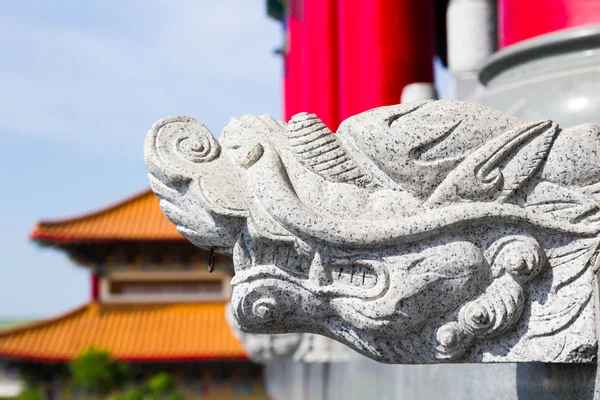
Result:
[
  {"x": 273, "y": 306},
  {"x": 256, "y": 307}
]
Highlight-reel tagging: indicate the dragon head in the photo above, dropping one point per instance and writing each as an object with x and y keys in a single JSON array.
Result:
[{"x": 403, "y": 236}]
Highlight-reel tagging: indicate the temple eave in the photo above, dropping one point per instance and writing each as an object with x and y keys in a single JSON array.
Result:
[
  {"x": 135, "y": 219},
  {"x": 140, "y": 333}
]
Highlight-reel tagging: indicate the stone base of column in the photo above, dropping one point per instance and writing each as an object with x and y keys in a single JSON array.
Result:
[{"x": 366, "y": 379}]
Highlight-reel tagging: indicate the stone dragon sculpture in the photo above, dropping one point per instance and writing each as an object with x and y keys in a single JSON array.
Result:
[
  {"x": 296, "y": 347},
  {"x": 436, "y": 231}
]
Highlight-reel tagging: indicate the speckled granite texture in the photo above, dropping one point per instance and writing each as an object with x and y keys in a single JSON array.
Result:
[
  {"x": 427, "y": 232},
  {"x": 290, "y": 347}
]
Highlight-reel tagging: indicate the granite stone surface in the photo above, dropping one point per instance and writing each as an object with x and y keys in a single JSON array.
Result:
[
  {"x": 267, "y": 348},
  {"x": 427, "y": 232}
]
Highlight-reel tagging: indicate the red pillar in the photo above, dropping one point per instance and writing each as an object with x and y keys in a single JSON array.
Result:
[
  {"x": 311, "y": 61},
  {"x": 294, "y": 101},
  {"x": 523, "y": 19},
  {"x": 321, "y": 60},
  {"x": 383, "y": 46},
  {"x": 95, "y": 286}
]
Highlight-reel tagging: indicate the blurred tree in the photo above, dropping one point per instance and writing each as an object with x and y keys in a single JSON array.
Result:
[
  {"x": 134, "y": 393},
  {"x": 161, "y": 385},
  {"x": 96, "y": 374},
  {"x": 31, "y": 393}
]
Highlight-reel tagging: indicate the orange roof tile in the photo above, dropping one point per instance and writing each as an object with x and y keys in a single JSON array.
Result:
[
  {"x": 138, "y": 218},
  {"x": 146, "y": 332}
]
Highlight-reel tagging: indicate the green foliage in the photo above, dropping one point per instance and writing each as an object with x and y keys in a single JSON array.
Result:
[
  {"x": 31, "y": 393},
  {"x": 159, "y": 387},
  {"x": 134, "y": 393},
  {"x": 95, "y": 373},
  {"x": 161, "y": 384}
]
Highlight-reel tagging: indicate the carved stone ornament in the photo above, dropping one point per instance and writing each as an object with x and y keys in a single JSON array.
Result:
[
  {"x": 427, "y": 232},
  {"x": 298, "y": 347}
]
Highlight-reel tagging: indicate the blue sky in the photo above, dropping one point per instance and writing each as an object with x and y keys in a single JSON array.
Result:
[{"x": 80, "y": 84}]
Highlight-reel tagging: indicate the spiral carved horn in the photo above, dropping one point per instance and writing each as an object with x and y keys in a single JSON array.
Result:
[
  {"x": 176, "y": 145},
  {"x": 316, "y": 148}
]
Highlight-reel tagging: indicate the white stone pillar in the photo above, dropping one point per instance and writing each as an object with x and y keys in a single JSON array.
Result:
[
  {"x": 472, "y": 38},
  {"x": 418, "y": 91}
]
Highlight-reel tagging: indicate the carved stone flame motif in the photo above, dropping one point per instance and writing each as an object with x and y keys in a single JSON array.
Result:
[{"x": 437, "y": 231}]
